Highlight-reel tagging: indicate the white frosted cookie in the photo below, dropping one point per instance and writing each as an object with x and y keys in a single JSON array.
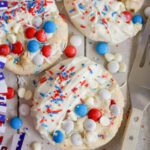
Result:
[
  {"x": 102, "y": 20},
  {"x": 32, "y": 35},
  {"x": 134, "y": 5},
  {"x": 78, "y": 105}
]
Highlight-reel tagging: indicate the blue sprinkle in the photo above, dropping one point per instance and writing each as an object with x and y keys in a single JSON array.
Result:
[{"x": 43, "y": 95}]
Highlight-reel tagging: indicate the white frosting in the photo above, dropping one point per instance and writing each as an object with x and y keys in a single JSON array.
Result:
[
  {"x": 68, "y": 84},
  {"x": 101, "y": 20},
  {"x": 13, "y": 30}
]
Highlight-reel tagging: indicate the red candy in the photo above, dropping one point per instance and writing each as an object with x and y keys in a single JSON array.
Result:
[
  {"x": 41, "y": 35},
  {"x": 70, "y": 51},
  {"x": 94, "y": 114},
  {"x": 17, "y": 48},
  {"x": 128, "y": 16},
  {"x": 30, "y": 32},
  {"x": 46, "y": 50},
  {"x": 10, "y": 93},
  {"x": 4, "y": 49}
]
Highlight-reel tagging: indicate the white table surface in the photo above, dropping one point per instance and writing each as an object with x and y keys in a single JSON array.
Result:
[{"x": 127, "y": 49}]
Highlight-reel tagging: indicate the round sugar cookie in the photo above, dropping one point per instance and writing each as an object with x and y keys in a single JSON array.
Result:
[
  {"x": 78, "y": 105},
  {"x": 32, "y": 36},
  {"x": 102, "y": 20},
  {"x": 134, "y": 5}
]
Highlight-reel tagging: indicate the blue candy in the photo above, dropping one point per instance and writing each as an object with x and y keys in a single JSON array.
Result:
[
  {"x": 137, "y": 19},
  {"x": 58, "y": 136},
  {"x": 102, "y": 48},
  {"x": 16, "y": 123},
  {"x": 81, "y": 110},
  {"x": 33, "y": 46},
  {"x": 50, "y": 27}
]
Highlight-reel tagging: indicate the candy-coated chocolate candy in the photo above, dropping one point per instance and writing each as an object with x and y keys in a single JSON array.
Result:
[
  {"x": 30, "y": 32},
  {"x": 128, "y": 16},
  {"x": 17, "y": 48},
  {"x": 16, "y": 123},
  {"x": 21, "y": 92},
  {"x": 105, "y": 94},
  {"x": 10, "y": 93},
  {"x": 115, "y": 110},
  {"x": 37, "y": 21},
  {"x": 4, "y": 49},
  {"x": 81, "y": 110},
  {"x": 76, "y": 139},
  {"x": 28, "y": 95},
  {"x": 24, "y": 109},
  {"x": 137, "y": 19},
  {"x": 113, "y": 66},
  {"x": 41, "y": 35},
  {"x": 36, "y": 146},
  {"x": 46, "y": 50},
  {"x": 68, "y": 126},
  {"x": 109, "y": 57},
  {"x": 58, "y": 136},
  {"x": 70, "y": 51},
  {"x": 38, "y": 59},
  {"x": 147, "y": 11},
  {"x": 76, "y": 40},
  {"x": 117, "y": 57},
  {"x": 50, "y": 27},
  {"x": 33, "y": 46},
  {"x": 102, "y": 48},
  {"x": 94, "y": 114},
  {"x": 105, "y": 121},
  {"x": 90, "y": 125}
]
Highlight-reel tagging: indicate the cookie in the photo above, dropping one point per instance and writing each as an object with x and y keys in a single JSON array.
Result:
[
  {"x": 102, "y": 20},
  {"x": 78, "y": 105},
  {"x": 32, "y": 36},
  {"x": 134, "y": 5}
]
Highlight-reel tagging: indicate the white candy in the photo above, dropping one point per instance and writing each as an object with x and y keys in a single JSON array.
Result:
[
  {"x": 115, "y": 110},
  {"x": 16, "y": 28},
  {"x": 28, "y": 95},
  {"x": 72, "y": 116},
  {"x": 76, "y": 40},
  {"x": 36, "y": 146},
  {"x": 37, "y": 21},
  {"x": 42, "y": 130},
  {"x": 90, "y": 125},
  {"x": 21, "y": 92},
  {"x": 123, "y": 67},
  {"x": 68, "y": 126},
  {"x": 90, "y": 101},
  {"x": 38, "y": 59},
  {"x": 147, "y": 11},
  {"x": 113, "y": 67},
  {"x": 76, "y": 139},
  {"x": 105, "y": 94},
  {"x": 24, "y": 109},
  {"x": 11, "y": 38},
  {"x": 118, "y": 57},
  {"x": 104, "y": 120},
  {"x": 109, "y": 57}
]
